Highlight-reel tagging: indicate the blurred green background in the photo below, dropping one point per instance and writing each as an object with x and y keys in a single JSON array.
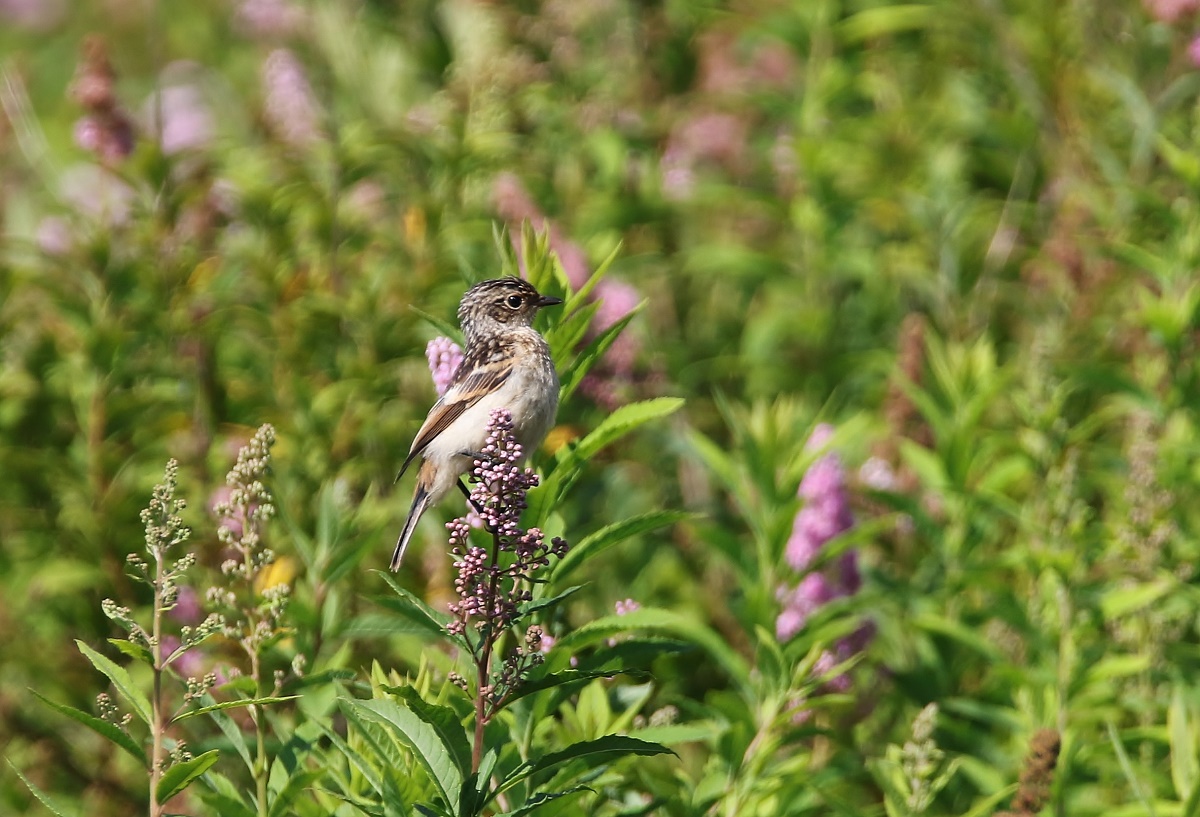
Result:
[{"x": 966, "y": 232}]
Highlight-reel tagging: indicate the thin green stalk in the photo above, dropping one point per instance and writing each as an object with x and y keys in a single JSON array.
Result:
[
  {"x": 260, "y": 728},
  {"x": 485, "y": 660},
  {"x": 157, "y": 725},
  {"x": 256, "y": 710}
]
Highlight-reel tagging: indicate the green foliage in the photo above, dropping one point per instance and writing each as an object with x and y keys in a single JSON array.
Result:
[{"x": 965, "y": 234}]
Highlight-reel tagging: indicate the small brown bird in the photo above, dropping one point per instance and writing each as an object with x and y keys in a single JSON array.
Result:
[{"x": 506, "y": 364}]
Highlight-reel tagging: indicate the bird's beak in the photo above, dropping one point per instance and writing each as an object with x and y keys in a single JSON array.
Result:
[{"x": 546, "y": 300}]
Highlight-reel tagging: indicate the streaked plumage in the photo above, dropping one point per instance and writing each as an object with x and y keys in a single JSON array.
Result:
[{"x": 507, "y": 364}]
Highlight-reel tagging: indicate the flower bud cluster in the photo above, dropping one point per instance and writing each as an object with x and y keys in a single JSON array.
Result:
[{"x": 493, "y": 585}]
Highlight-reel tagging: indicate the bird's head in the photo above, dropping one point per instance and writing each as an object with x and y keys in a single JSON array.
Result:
[{"x": 499, "y": 305}]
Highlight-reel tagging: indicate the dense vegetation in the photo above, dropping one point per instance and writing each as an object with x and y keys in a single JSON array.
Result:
[{"x": 886, "y": 399}]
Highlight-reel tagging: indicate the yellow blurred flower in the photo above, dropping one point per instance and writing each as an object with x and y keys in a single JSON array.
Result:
[{"x": 281, "y": 571}]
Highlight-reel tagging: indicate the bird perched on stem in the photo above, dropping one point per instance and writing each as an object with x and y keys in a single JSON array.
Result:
[{"x": 506, "y": 364}]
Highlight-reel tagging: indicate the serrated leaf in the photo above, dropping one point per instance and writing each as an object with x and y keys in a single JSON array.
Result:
[
  {"x": 624, "y": 420},
  {"x": 541, "y": 799},
  {"x": 587, "y": 358},
  {"x": 179, "y": 777},
  {"x": 613, "y": 534},
  {"x": 541, "y": 604},
  {"x": 593, "y": 751},
  {"x": 444, "y": 721},
  {"x": 571, "y": 458},
  {"x": 136, "y": 699},
  {"x": 436, "y": 619},
  {"x": 223, "y": 705},
  {"x": 667, "y": 621},
  {"x": 418, "y": 736},
  {"x": 41, "y": 796},
  {"x": 559, "y": 679},
  {"x": 107, "y": 730}
]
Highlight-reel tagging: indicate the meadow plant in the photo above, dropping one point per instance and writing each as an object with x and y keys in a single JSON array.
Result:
[
  {"x": 252, "y": 596},
  {"x": 491, "y": 594},
  {"x": 480, "y": 724},
  {"x": 170, "y": 766},
  {"x": 911, "y": 776},
  {"x": 824, "y": 516}
]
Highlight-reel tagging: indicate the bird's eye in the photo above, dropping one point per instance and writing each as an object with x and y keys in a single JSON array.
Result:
[{"x": 514, "y": 301}]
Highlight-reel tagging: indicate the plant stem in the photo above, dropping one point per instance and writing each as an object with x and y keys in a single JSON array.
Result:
[
  {"x": 252, "y": 647},
  {"x": 483, "y": 664},
  {"x": 157, "y": 727},
  {"x": 260, "y": 728}
]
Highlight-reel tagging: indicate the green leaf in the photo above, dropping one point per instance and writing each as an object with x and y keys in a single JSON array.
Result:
[
  {"x": 296, "y": 785},
  {"x": 136, "y": 651},
  {"x": 42, "y": 797},
  {"x": 179, "y": 777},
  {"x": 931, "y": 622},
  {"x": 428, "y": 614},
  {"x": 1191, "y": 808},
  {"x": 624, "y": 420},
  {"x": 1115, "y": 666},
  {"x": 1185, "y": 767},
  {"x": 884, "y": 21},
  {"x": 654, "y": 619},
  {"x": 571, "y": 458},
  {"x": 355, "y": 757},
  {"x": 383, "y": 625},
  {"x": 594, "y": 752},
  {"x": 444, "y": 328},
  {"x": 591, "y": 354},
  {"x": 926, "y": 464},
  {"x": 1122, "y": 601},
  {"x": 223, "y": 705},
  {"x": 559, "y": 679},
  {"x": 541, "y": 604},
  {"x": 674, "y": 733},
  {"x": 444, "y": 721},
  {"x": 988, "y": 804},
  {"x": 415, "y": 733},
  {"x": 233, "y": 733},
  {"x": 541, "y": 799},
  {"x": 137, "y": 700},
  {"x": 224, "y": 797},
  {"x": 613, "y": 534},
  {"x": 102, "y": 727},
  {"x": 564, "y": 336}
]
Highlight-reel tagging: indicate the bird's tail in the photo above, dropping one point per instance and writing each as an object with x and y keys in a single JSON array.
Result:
[{"x": 419, "y": 504}]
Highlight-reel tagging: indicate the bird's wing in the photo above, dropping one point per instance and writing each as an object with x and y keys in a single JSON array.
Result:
[{"x": 477, "y": 376}]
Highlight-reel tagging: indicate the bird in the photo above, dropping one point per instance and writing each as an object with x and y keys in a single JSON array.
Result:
[{"x": 506, "y": 364}]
